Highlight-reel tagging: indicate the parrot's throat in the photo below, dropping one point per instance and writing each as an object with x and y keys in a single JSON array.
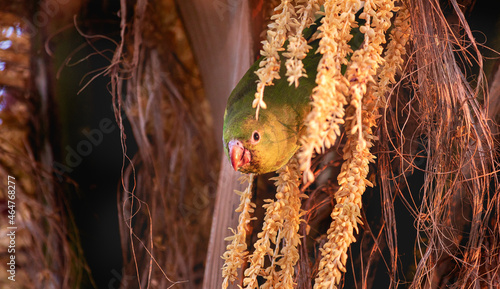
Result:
[{"x": 239, "y": 155}]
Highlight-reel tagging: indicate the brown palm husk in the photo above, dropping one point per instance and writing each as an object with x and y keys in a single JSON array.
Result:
[{"x": 167, "y": 187}]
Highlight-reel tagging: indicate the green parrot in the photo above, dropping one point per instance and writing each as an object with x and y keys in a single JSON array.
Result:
[{"x": 264, "y": 145}]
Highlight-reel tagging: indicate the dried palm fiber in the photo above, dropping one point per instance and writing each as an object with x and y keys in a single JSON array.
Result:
[
  {"x": 47, "y": 251},
  {"x": 459, "y": 246},
  {"x": 387, "y": 88},
  {"x": 165, "y": 205},
  {"x": 444, "y": 114}
]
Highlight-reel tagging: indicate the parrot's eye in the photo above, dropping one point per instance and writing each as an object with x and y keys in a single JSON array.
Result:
[{"x": 255, "y": 137}]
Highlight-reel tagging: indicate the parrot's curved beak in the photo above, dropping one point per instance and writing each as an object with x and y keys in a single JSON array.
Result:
[{"x": 238, "y": 154}]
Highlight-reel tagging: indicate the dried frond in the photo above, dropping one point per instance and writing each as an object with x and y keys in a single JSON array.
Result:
[
  {"x": 460, "y": 192},
  {"x": 166, "y": 199},
  {"x": 393, "y": 60}
]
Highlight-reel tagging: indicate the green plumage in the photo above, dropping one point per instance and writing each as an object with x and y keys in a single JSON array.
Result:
[{"x": 280, "y": 124}]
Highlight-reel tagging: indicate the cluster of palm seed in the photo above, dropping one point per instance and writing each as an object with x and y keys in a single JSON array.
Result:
[{"x": 352, "y": 100}]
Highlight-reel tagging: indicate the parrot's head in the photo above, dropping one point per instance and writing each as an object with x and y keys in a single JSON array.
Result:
[
  {"x": 265, "y": 144},
  {"x": 259, "y": 145}
]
